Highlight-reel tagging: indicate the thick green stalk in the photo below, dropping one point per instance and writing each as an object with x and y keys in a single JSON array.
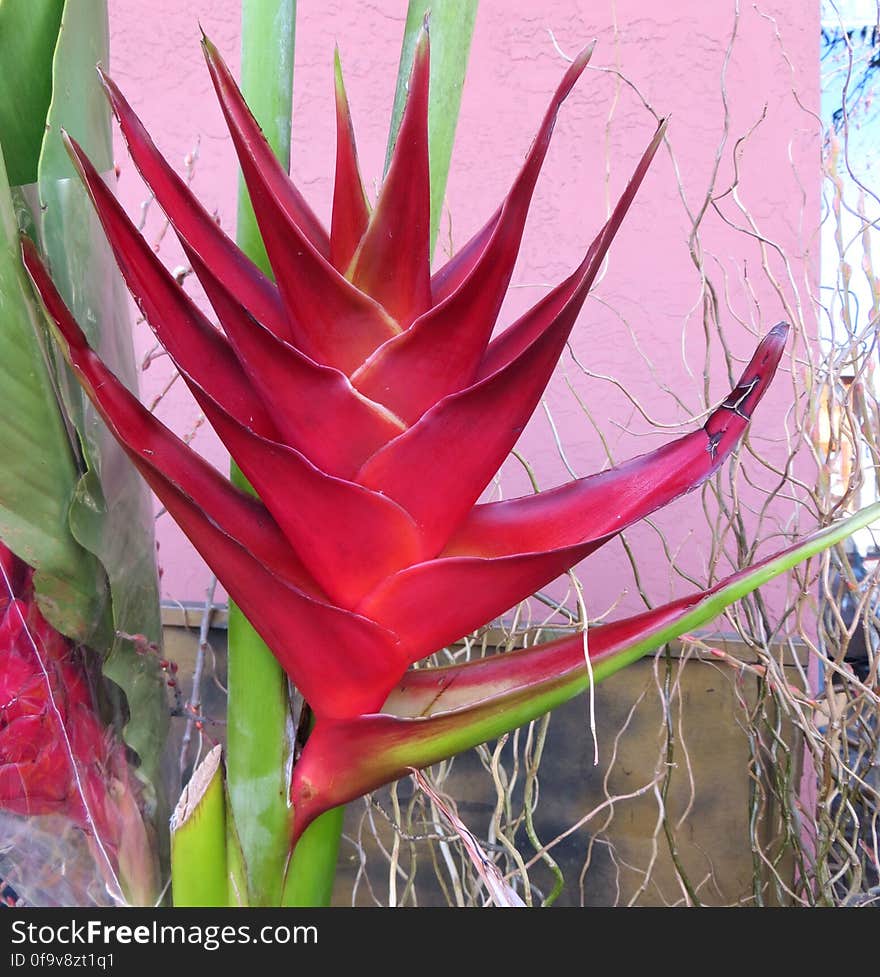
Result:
[
  {"x": 451, "y": 27},
  {"x": 259, "y": 735},
  {"x": 258, "y": 744},
  {"x": 268, "y": 34}
]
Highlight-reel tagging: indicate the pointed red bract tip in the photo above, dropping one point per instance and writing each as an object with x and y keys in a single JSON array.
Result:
[
  {"x": 351, "y": 210},
  {"x": 734, "y": 413},
  {"x": 393, "y": 260},
  {"x": 575, "y": 70}
]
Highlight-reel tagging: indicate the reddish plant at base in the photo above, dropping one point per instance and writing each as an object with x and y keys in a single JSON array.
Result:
[{"x": 57, "y": 756}]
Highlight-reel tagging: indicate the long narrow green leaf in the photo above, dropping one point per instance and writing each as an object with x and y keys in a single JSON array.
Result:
[
  {"x": 258, "y": 713},
  {"x": 461, "y": 729},
  {"x": 451, "y": 29},
  {"x": 38, "y": 474},
  {"x": 381, "y": 748}
]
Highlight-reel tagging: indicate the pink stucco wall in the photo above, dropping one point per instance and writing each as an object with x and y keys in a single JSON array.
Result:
[{"x": 644, "y": 325}]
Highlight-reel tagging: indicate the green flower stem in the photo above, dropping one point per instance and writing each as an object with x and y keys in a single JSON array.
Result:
[
  {"x": 258, "y": 745},
  {"x": 268, "y": 35},
  {"x": 451, "y": 25},
  {"x": 259, "y": 735},
  {"x": 311, "y": 871}
]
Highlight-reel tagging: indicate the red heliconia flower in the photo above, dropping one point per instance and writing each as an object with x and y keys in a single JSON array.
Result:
[
  {"x": 57, "y": 756},
  {"x": 369, "y": 405}
]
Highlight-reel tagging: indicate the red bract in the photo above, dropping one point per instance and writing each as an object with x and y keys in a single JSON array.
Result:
[
  {"x": 56, "y": 754},
  {"x": 368, "y": 404}
]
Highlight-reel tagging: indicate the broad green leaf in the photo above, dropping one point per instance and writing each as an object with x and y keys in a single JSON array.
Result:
[
  {"x": 111, "y": 514},
  {"x": 78, "y": 103},
  {"x": 451, "y": 26},
  {"x": 38, "y": 468},
  {"x": 28, "y": 30}
]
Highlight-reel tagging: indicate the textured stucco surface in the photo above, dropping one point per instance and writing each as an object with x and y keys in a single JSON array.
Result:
[{"x": 643, "y": 325}]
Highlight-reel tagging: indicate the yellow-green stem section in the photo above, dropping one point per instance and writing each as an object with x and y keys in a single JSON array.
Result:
[
  {"x": 198, "y": 838},
  {"x": 259, "y": 735}
]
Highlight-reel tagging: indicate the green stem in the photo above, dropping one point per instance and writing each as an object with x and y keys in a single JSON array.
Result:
[
  {"x": 268, "y": 34},
  {"x": 312, "y": 868},
  {"x": 259, "y": 735},
  {"x": 258, "y": 744}
]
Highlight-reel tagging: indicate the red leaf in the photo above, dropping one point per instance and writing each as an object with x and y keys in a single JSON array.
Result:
[
  {"x": 393, "y": 261},
  {"x": 198, "y": 232},
  {"x": 603, "y": 503},
  {"x": 285, "y": 193},
  {"x": 440, "y": 352},
  {"x": 427, "y": 692},
  {"x": 505, "y": 551},
  {"x": 206, "y": 361},
  {"x": 351, "y": 211},
  {"x": 331, "y": 321}
]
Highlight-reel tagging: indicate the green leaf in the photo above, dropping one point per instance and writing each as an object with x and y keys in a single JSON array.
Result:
[
  {"x": 78, "y": 103},
  {"x": 28, "y": 31},
  {"x": 451, "y": 26},
  {"x": 492, "y": 716},
  {"x": 111, "y": 513},
  {"x": 38, "y": 470}
]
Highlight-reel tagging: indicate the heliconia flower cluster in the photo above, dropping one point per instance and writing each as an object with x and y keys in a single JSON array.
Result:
[
  {"x": 57, "y": 755},
  {"x": 369, "y": 403}
]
